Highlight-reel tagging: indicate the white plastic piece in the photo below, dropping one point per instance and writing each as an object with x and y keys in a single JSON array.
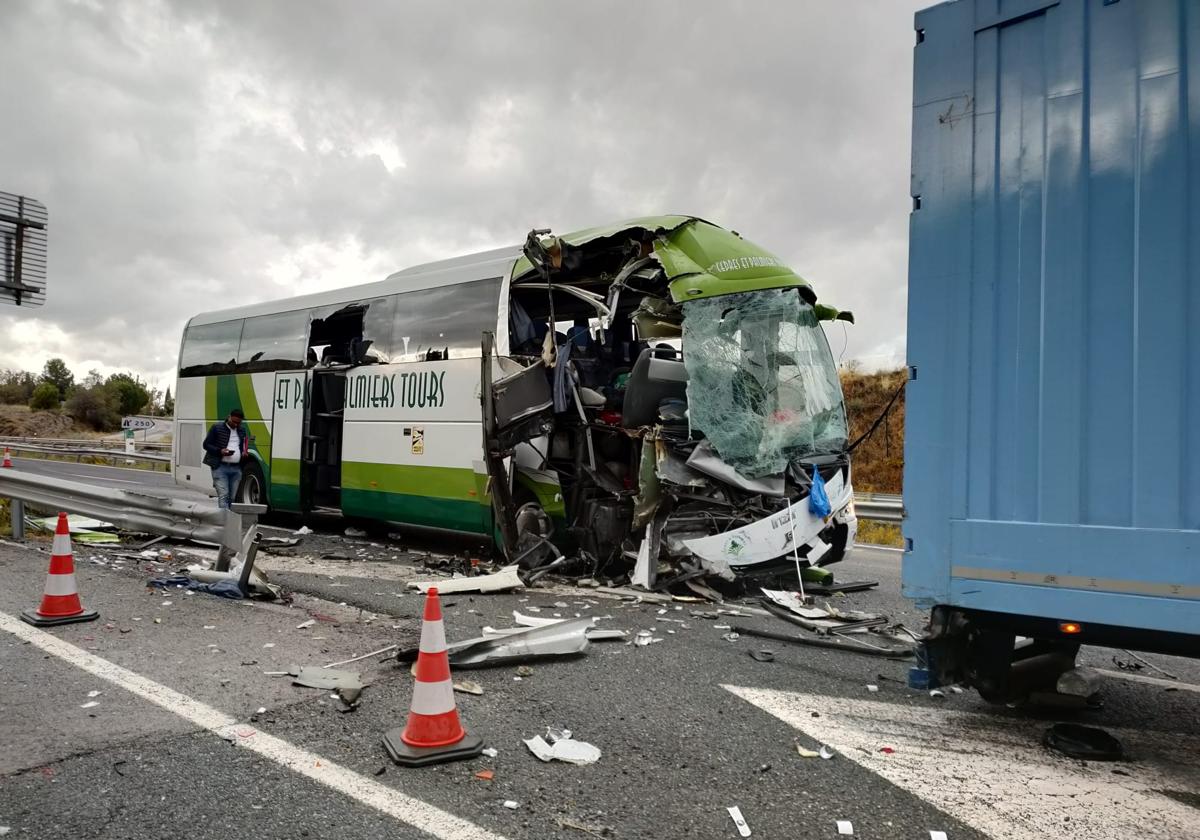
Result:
[
  {"x": 845, "y": 827},
  {"x": 502, "y": 581},
  {"x": 937, "y": 835},
  {"x": 736, "y": 813},
  {"x": 826, "y": 752},
  {"x": 491, "y": 752},
  {"x": 90, "y": 704},
  {"x": 511, "y": 804},
  {"x": 871, "y": 687}
]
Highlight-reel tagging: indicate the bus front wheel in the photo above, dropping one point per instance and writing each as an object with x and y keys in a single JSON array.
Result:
[{"x": 252, "y": 490}]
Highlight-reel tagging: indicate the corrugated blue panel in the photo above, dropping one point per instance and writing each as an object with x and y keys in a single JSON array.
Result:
[{"x": 1054, "y": 308}]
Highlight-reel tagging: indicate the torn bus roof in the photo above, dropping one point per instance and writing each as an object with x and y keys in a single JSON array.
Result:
[{"x": 699, "y": 259}]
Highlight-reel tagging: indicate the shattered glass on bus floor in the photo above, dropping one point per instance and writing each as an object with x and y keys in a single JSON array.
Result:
[{"x": 762, "y": 384}]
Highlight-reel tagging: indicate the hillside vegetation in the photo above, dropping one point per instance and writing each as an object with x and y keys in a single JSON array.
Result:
[{"x": 878, "y": 463}]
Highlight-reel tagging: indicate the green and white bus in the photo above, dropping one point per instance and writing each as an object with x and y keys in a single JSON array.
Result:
[{"x": 660, "y": 378}]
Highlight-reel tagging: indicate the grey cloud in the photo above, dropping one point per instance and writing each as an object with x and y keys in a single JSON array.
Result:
[{"x": 184, "y": 149}]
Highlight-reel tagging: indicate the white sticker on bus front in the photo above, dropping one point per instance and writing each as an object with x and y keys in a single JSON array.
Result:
[{"x": 418, "y": 440}]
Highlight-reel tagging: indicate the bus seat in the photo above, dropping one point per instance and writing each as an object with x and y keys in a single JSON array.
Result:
[{"x": 652, "y": 380}]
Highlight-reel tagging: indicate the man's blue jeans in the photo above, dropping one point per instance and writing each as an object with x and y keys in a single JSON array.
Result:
[{"x": 225, "y": 480}]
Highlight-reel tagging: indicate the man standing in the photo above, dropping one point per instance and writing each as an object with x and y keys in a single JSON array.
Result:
[{"x": 225, "y": 450}]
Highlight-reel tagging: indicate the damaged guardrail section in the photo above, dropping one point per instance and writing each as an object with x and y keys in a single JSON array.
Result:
[{"x": 137, "y": 511}]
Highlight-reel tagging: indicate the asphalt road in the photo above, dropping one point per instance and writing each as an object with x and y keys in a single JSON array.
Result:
[{"x": 687, "y": 727}]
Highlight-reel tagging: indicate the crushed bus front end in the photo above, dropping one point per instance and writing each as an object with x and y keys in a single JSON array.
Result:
[{"x": 674, "y": 382}]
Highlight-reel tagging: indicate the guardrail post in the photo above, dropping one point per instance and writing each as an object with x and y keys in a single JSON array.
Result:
[
  {"x": 16, "y": 512},
  {"x": 231, "y": 540}
]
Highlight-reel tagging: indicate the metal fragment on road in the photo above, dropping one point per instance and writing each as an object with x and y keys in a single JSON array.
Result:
[
  {"x": 738, "y": 820},
  {"x": 731, "y": 637},
  {"x": 379, "y": 652},
  {"x": 564, "y": 638},
  {"x": 871, "y": 687},
  {"x": 310, "y": 676},
  {"x": 826, "y": 753},
  {"x": 89, "y": 705},
  {"x": 304, "y": 624}
]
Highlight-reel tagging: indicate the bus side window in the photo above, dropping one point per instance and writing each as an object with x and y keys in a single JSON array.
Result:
[
  {"x": 210, "y": 349},
  {"x": 445, "y": 322}
]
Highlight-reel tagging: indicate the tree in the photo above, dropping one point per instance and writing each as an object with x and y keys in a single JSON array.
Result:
[
  {"x": 168, "y": 404},
  {"x": 57, "y": 372},
  {"x": 131, "y": 395},
  {"x": 96, "y": 407},
  {"x": 92, "y": 379},
  {"x": 16, "y": 386},
  {"x": 45, "y": 396}
]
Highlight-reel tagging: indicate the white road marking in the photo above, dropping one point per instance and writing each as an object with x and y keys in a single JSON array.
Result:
[
  {"x": 992, "y": 773},
  {"x": 1142, "y": 678},
  {"x": 385, "y": 799}
]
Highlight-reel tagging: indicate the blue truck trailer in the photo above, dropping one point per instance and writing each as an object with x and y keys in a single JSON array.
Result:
[{"x": 1052, "y": 451}]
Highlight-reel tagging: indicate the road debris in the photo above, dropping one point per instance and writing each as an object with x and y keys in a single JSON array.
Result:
[
  {"x": 379, "y": 652},
  {"x": 872, "y": 688},
  {"x": 735, "y": 814},
  {"x": 511, "y": 804},
  {"x": 731, "y": 637},
  {"x": 645, "y": 637},
  {"x": 845, "y": 827},
  {"x": 1086, "y": 743},
  {"x": 937, "y": 835},
  {"x": 468, "y": 687},
  {"x": 826, "y": 752},
  {"x": 485, "y": 775},
  {"x": 564, "y": 638},
  {"x": 558, "y": 745},
  {"x": 91, "y": 704},
  {"x": 937, "y": 694},
  {"x": 762, "y": 655},
  {"x": 357, "y": 533},
  {"x": 491, "y": 752},
  {"x": 94, "y": 693},
  {"x": 504, "y": 580},
  {"x": 302, "y": 625},
  {"x": 806, "y": 753}
]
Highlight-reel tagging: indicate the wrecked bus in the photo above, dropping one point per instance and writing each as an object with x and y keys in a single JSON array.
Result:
[
  {"x": 1052, "y": 484},
  {"x": 653, "y": 394}
]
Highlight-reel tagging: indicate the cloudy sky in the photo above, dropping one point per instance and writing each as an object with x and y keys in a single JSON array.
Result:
[{"x": 196, "y": 155}]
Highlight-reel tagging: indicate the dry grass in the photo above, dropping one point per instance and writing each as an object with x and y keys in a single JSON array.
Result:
[
  {"x": 879, "y": 533},
  {"x": 20, "y": 421},
  {"x": 878, "y": 463}
]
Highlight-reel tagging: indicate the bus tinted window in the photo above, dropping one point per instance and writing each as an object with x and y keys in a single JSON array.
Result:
[
  {"x": 274, "y": 342},
  {"x": 209, "y": 349},
  {"x": 434, "y": 324}
]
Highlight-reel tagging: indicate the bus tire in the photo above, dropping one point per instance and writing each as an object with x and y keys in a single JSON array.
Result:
[{"x": 252, "y": 489}]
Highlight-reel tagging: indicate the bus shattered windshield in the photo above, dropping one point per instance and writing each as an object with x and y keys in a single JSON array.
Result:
[{"x": 762, "y": 385}]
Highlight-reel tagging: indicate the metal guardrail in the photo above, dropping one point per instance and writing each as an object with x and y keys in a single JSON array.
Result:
[
  {"x": 881, "y": 507},
  {"x": 136, "y": 511},
  {"x": 95, "y": 443},
  {"x": 94, "y": 451}
]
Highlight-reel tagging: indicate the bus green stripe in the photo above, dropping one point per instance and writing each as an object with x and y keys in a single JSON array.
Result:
[{"x": 453, "y": 514}]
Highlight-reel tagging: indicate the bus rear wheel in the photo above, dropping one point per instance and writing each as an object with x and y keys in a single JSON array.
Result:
[{"x": 252, "y": 490}]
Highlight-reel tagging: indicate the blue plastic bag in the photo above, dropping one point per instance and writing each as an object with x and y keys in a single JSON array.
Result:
[{"x": 818, "y": 499}]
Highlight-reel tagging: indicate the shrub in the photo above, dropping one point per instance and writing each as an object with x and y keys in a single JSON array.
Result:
[
  {"x": 45, "y": 396},
  {"x": 95, "y": 407}
]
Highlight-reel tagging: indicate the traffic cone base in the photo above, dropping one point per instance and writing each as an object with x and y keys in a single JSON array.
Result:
[
  {"x": 32, "y": 617},
  {"x": 407, "y": 756},
  {"x": 433, "y": 733},
  {"x": 60, "y": 603}
]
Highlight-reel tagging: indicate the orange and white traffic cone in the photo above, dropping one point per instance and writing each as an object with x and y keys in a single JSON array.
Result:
[
  {"x": 433, "y": 733},
  {"x": 60, "y": 602},
  {"x": 7, "y": 458}
]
